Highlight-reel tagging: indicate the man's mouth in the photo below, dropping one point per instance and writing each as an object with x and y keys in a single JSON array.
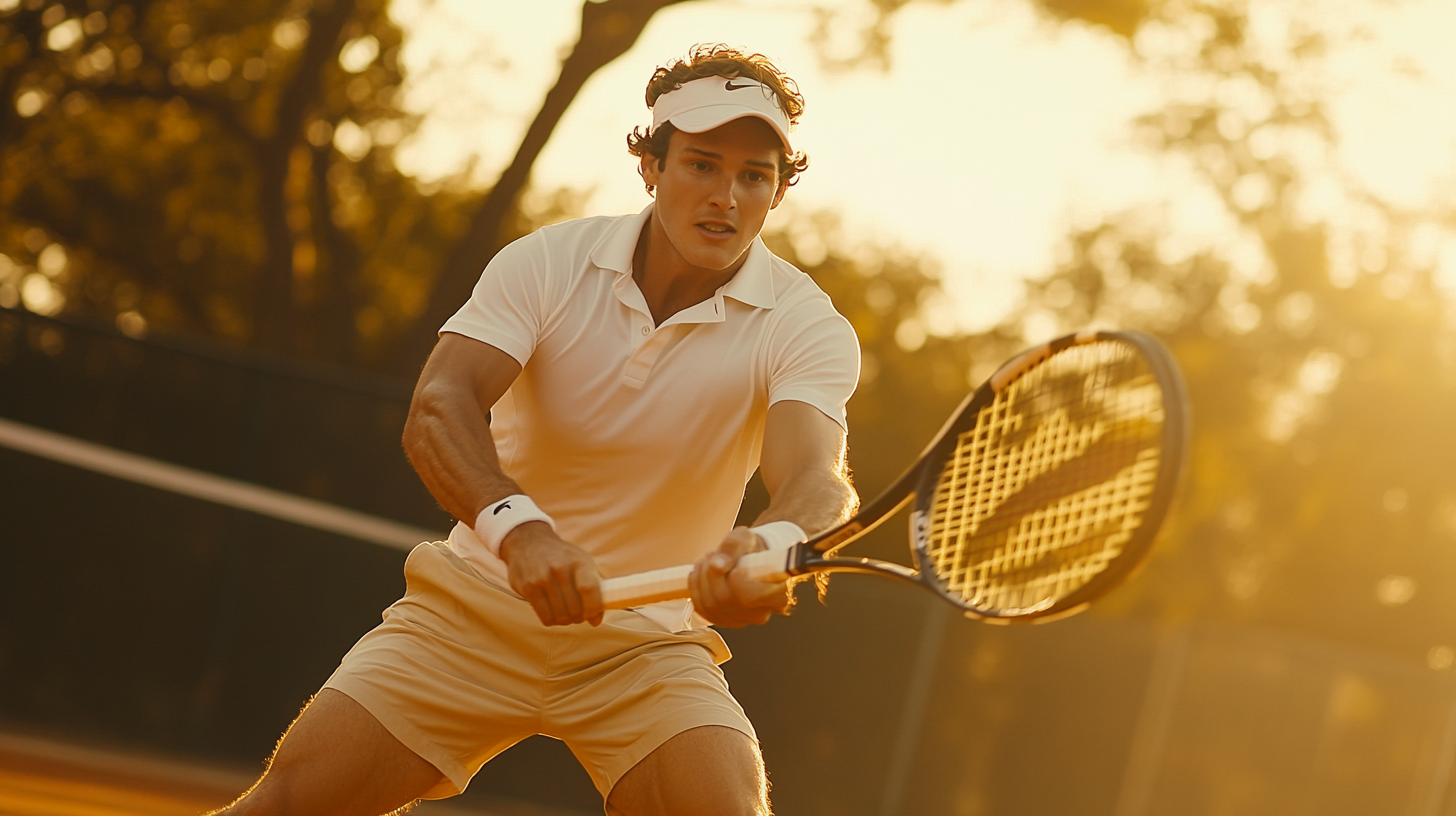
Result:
[{"x": 720, "y": 229}]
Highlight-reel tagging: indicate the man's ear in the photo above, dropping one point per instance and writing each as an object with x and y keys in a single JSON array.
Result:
[
  {"x": 779, "y": 195},
  {"x": 647, "y": 166}
]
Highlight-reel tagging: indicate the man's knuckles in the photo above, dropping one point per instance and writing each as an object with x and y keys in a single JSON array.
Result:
[{"x": 739, "y": 542}]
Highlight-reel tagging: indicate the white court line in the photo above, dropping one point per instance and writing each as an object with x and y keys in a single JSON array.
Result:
[{"x": 211, "y": 487}]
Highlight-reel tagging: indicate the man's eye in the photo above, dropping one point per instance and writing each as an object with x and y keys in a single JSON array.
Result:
[{"x": 701, "y": 166}]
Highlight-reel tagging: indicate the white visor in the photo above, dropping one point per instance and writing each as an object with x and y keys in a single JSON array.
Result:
[{"x": 706, "y": 103}]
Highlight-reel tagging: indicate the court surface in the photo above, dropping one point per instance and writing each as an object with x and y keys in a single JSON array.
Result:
[{"x": 47, "y": 777}]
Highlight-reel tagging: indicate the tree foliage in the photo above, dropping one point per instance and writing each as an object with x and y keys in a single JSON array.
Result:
[
  {"x": 226, "y": 170},
  {"x": 849, "y": 35},
  {"x": 172, "y": 149}
]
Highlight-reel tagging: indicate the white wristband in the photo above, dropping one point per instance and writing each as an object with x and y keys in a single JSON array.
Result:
[
  {"x": 501, "y": 517},
  {"x": 779, "y": 535}
]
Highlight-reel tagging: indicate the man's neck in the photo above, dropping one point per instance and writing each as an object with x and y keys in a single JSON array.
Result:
[{"x": 667, "y": 281}]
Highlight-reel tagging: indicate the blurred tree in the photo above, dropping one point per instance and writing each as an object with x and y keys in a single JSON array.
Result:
[
  {"x": 161, "y": 147},
  {"x": 226, "y": 171},
  {"x": 849, "y": 35}
]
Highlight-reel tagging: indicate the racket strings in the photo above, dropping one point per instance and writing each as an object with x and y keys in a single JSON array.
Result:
[{"x": 1051, "y": 482}]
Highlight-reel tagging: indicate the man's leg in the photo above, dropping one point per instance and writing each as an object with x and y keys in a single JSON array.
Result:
[
  {"x": 337, "y": 760},
  {"x": 708, "y": 771}
]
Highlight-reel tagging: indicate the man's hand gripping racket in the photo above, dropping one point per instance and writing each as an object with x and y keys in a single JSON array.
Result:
[{"x": 1044, "y": 490}]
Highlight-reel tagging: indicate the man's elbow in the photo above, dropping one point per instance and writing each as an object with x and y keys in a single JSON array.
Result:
[
  {"x": 845, "y": 498},
  {"x": 413, "y": 436}
]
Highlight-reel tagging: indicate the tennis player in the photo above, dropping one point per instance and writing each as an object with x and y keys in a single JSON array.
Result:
[{"x": 636, "y": 370}]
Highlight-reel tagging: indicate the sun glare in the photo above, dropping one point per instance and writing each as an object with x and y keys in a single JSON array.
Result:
[{"x": 990, "y": 135}]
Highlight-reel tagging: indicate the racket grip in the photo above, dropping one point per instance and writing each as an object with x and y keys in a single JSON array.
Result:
[{"x": 671, "y": 583}]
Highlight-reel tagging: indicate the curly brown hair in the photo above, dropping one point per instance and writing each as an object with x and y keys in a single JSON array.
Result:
[{"x": 717, "y": 59}]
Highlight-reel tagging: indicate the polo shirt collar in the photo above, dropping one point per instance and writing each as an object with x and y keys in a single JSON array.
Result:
[{"x": 752, "y": 285}]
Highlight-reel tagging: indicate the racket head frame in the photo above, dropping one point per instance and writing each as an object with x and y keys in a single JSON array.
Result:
[{"x": 1171, "y": 467}]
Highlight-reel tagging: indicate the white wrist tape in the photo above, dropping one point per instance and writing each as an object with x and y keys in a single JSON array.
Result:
[
  {"x": 779, "y": 535},
  {"x": 501, "y": 517}
]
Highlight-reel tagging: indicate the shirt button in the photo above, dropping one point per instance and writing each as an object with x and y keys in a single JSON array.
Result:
[{"x": 645, "y": 331}]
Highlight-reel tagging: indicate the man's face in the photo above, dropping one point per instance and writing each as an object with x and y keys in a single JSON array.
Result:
[{"x": 715, "y": 189}]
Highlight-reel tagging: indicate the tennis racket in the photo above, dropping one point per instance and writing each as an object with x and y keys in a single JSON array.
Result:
[{"x": 1042, "y": 492}]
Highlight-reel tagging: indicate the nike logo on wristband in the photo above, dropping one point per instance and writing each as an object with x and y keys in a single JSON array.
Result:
[{"x": 505, "y": 505}]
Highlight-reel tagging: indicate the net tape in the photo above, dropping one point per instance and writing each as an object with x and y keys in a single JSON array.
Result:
[{"x": 1050, "y": 484}]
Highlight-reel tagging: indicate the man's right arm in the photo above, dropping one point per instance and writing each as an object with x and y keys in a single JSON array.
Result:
[{"x": 448, "y": 440}]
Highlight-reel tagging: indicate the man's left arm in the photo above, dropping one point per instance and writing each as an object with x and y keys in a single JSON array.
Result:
[{"x": 807, "y": 475}]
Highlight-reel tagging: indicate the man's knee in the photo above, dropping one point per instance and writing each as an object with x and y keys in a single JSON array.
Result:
[
  {"x": 711, "y": 770},
  {"x": 276, "y": 793}
]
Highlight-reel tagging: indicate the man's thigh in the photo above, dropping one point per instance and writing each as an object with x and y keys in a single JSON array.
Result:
[
  {"x": 704, "y": 771},
  {"x": 337, "y": 760}
]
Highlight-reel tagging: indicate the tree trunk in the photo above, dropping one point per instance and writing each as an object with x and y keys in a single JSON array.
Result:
[
  {"x": 608, "y": 29},
  {"x": 274, "y": 310},
  {"x": 339, "y": 301}
]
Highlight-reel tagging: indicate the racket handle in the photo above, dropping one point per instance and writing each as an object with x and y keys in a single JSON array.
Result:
[{"x": 671, "y": 583}]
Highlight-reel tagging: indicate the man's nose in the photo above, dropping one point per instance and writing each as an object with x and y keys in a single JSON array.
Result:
[{"x": 725, "y": 193}]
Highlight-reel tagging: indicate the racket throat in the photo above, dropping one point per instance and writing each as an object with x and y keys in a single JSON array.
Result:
[{"x": 869, "y": 566}]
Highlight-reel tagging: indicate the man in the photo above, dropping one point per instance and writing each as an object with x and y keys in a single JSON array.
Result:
[{"x": 636, "y": 371}]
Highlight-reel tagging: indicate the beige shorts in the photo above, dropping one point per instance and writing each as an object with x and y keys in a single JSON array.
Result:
[{"x": 461, "y": 670}]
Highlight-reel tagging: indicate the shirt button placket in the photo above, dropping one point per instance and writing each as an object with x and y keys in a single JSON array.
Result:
[{"x": 644, "y": 355}]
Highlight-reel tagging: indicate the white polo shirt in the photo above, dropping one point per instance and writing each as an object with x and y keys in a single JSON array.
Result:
[{"x": 639, "y": 439}]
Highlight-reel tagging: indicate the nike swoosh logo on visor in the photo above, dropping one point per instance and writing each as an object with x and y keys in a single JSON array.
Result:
[{"x": 730, "y": 86}]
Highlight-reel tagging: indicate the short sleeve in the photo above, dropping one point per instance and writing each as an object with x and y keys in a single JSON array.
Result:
[
  {"x": 816, "y": 361},
  {"x": 509, "y": 305}
]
